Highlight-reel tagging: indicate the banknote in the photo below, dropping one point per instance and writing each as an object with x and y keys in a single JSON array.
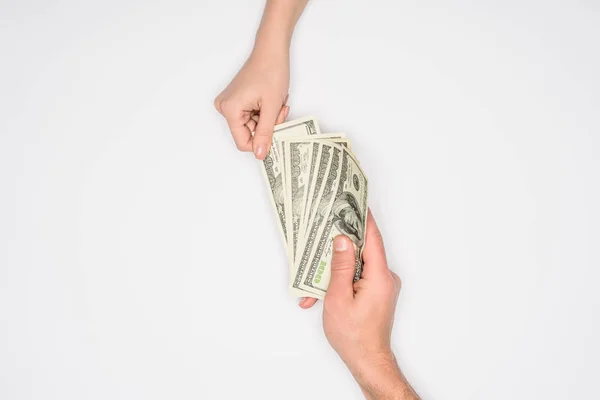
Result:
[
  {"x": 347, "y": 216},
  {"x": 272, "y": 165},
  {"x": 315, "y": 154},
  {"x": 297, "y": 168},
  {"x": 318, "y": 191},
  {"x": 322, "y": 205}
]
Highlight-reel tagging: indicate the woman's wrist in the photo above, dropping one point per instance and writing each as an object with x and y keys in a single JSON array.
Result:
[
  {"x": 270, "y": 48},
  {"x": 272, "y": 39},
  {"x": 277, "y": 26}
]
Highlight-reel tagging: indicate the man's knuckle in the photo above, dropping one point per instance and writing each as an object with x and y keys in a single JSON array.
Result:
[
  {"x": 389, "y": 284},
  {"x": 359, "y": 285},
  {"x": 398, "y": 285},
  {"x": 217, "y": 103},
  {"x": 397, "y": 279},
  {"x": 379, "y": 236},
  {"x": 341, "y": 265}
]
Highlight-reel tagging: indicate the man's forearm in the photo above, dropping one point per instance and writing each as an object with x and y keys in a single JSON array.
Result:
[
  {"x": 381, "y": 379},
  {"x": 278, "y": 23}
]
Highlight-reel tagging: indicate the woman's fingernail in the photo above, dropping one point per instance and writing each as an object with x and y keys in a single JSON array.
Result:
[
  {"x": 287, "y": 111},
  {"x": 302, "y": 300},
  {"x": 340, "y": 243},
  {"x": 259, "y": 151}
]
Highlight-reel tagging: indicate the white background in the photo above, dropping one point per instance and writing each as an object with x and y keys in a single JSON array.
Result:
[{"x": 139, "y": 255}]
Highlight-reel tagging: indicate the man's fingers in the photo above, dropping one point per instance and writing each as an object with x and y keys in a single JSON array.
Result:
[
  {"x": 342, "y": 270},
  {"x": 269, "y": 112},
  {"x": 397, "y": 282},
  {"x": 217, "y": 104},
  {"x": 307, "y": 302},
  {"x": 374, "y": 253}
]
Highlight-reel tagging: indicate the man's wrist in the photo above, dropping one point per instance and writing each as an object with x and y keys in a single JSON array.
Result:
[{"x": 382, "y": 379}]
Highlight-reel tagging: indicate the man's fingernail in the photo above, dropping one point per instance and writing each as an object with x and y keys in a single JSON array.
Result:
[
  {"x": 287, "y": 111},
  {"x": 340, "y": 243}
]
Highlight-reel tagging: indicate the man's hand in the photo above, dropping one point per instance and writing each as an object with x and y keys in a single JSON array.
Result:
[{"x": 358, "y": 317}]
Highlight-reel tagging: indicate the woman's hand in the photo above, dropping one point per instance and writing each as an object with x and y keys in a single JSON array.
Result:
[
  {"x": 255, "y": 99},
  {"x": 257, "y": 93}
]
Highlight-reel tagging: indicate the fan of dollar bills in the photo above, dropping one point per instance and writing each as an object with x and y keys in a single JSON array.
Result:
[{"x": 318, "y": 191}]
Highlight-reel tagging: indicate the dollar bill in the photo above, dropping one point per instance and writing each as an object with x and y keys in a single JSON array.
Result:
[
  {"x": 318, "y": 191},
  {"x": 347, "y": 216},
  {"x": 299, "y": 153},
  {"x": 298, "y": 156},
  {"x": 315, "y": 185},
  {"x": 329, "y": 175},
  {"x": 272, "y": 165},
  {"x": 315, "y": 157}
]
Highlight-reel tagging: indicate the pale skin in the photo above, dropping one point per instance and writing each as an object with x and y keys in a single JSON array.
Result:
[
  {"x": 255, "y": 99},
  {"x": 357, "y": 317}
]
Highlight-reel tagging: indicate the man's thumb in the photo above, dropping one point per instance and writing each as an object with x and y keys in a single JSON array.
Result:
[{"x": 342, "y": 268}]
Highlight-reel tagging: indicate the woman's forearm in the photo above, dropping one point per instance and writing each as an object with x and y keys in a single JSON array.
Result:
[{"x": 278, "y": 23}]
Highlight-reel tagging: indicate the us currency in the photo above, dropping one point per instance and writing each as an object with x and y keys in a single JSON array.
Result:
[
  {"x": 272, "y": 165},
  {"x": 309, "y": 159},
  {"x": 315, "y": 157},
  {"x": 299, "y": 153},
  {"x": 300, "y": 202},
  {"x": 314, "y": 185},
  {"x": 307, "y": 174},
  {"x": 298, "y": 198},
  {"x": 329, "y": 172},
  {"x": 316, "y": 191},
  {"x": 346, "y": 216},
  {"x": 317, "y": 174}
]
